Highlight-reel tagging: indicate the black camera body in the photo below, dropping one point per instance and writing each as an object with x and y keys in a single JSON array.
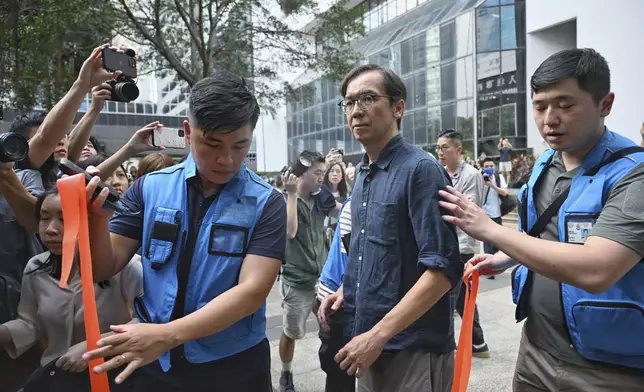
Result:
[
  {"x": 124, "y": 89},
  {"x": 13, "y": 147}
]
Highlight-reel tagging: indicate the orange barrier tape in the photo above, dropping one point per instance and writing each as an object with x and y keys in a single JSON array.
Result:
[
  {"x": 463, "y": 362},
  {"x": 74, "y": 204}
]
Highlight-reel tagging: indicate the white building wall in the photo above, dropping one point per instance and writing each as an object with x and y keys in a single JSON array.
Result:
[{"x": 614, "y": 30}]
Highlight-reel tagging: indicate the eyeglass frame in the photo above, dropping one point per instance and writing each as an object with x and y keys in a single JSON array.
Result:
[{"x": 360, "y": 103}]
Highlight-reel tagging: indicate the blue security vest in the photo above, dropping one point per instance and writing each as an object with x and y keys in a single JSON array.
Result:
[
  {"x": 220, "y": 248},
  {"x": 336, "y": 261},
  {"x": 606, "y": 327}
]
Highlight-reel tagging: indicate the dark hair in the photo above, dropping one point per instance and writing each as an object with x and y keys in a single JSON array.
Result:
[
  {"x": 153, "y": 162},
  {"x": 53, "y": 264},
  {"x": 487, "y": 159},
  {"x": 343, "y": 189},
  {"x": 99, "y": 146},
  {"x": 453, "y": 135},
  {"x": 393, "y": 84},
  {"x": 22, "y": 124},
  {"x": 222, "y": 103},
  {"x": 586, "y": 66},
  {"x": 305, "y": 161}
]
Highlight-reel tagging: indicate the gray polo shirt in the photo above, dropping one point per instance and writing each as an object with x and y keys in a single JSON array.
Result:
[
  {"x": 17, "y": 245},
  {"x": 621, "y": 220},
  {"x": 469, "y": 181}
]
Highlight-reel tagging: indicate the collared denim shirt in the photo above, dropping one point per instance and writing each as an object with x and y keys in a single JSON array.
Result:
[{"x": 398, "y": 233}]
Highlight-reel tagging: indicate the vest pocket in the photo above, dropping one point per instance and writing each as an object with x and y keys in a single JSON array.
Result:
[
  {"x": 163, "y": 236},
  {"x": 228, "y": 240},
  {"x": 609, "y": 328}
]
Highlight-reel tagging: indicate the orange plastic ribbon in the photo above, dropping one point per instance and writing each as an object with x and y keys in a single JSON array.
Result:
[
  {"x": 463, "y": 362},
  {"x": 74, "y": 204}
]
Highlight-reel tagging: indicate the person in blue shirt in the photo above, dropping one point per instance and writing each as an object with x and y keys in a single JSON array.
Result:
[
  {"x": 578, "y": 280},
  {"x": 212, "y": 236}
]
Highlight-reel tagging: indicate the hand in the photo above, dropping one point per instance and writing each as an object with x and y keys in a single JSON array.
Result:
[
  {"x": 72, "y": 360},
  {"x": 100, "y": 94},
  {"x": 6, "y": 166},
  {"x": 290, "y": 182},
  {"x": 141, "y": 140},
  {"x": 360, "y": 353},
  {"x": 134, "y": 345},
  {"x": 96, "y": 205},
  {"x": 329, "y": 306},
  {"x": 467, "y": 215},
  {"x": 642, "y": 131},
  {"x": 92, "y": 73},
  {"x": 487, "y": 264}
]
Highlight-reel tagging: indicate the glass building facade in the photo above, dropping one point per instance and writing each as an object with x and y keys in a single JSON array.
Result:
[{"x": 462, "y": 61}]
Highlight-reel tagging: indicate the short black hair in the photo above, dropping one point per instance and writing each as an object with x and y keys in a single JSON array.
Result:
[
  {"x": 99, "y": 146},
  {"x": 488, "y": 159},
  {"x": 453, "y": 135},
  {"x": 394, "y": 85},
  {"x": 222, "y": 103},
  {"x": 22, "y": 124},
  {"x": 586, "y": 66}
]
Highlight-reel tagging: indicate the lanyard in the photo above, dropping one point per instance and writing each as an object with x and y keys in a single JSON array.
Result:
[{"x": 74, "y": 204}]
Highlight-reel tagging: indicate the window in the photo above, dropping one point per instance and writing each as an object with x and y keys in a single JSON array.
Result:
[
  {"x": 419, "y": 54},
  {"x": 489, "y": 122},
  {"x": 391, "y": 10},
  {"x": 433, "y": 45},
  {"x": 408, "y": 128},
  {"x": 465, "y": 77},
  {"x": 487, "y": 29},
  {"x": 433, "y": 123},
  {"x": 448, "y": 38},
  {"x": 405, "y": 57},
  {"x": 420, "y": 89},
  {"x": 448, "y": 82},
  {"x": 401, "y": 6},
  {"x": 409, "y": 84},
  {"x": 433, "y": 85},
  {"x": 508, "y": 28},
  {"x": 420, "y": 127},
  {"x": 488, "y": 67},
  {"x": 465, "y": 118},
  {"x": 509, "y": 120},
  {"x": 448, "y": 116},
  {"x": 411, "y": 4},
  {"x": 465, "y": 34}
]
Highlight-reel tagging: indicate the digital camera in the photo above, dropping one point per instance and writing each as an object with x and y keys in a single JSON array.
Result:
[{"x": 13, "y": 147}]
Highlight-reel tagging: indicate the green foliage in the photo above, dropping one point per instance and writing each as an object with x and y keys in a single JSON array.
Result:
[
  {"x": 193, "y": 38},
  {"x": 43, "y": 44}
]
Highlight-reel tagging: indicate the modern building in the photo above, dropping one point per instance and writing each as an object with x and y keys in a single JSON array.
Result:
[
  {"x": 463, "y": 63},
  {"x": 610, "y": 30}
]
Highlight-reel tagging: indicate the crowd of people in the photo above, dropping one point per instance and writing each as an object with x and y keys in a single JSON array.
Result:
[{"x": 375, "y": 252}]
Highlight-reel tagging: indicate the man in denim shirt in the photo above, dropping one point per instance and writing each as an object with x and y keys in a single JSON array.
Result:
[{"x": 403, "y": 259}]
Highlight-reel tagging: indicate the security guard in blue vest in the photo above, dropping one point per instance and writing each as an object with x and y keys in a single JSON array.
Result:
[
  {"x": 583, "y": 297},
  {"x": 212, "y": 238}
]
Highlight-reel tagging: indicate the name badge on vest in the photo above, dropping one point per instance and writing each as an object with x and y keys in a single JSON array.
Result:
[{"x": 578, "y": 228}]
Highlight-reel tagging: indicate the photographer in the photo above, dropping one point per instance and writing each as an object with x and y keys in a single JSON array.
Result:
[
  {"x": 495, "y": 189},
  {"x": 307, "y": 207}
]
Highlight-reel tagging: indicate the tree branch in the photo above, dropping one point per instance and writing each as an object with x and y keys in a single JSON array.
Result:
[{"x": 198, "y": 40}]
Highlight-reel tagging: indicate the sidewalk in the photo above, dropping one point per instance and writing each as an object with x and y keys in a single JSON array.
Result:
[{"x": 488, "y": 375}]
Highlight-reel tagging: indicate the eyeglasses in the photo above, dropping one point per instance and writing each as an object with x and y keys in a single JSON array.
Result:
[
  {"x": 364, "y": 101},
  {"x": 443, "y": 148}
]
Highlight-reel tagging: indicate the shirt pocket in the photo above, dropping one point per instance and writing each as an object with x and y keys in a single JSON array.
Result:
[
  {"x": 381, "y": 225},
  {"x": 163, "y": 236}
]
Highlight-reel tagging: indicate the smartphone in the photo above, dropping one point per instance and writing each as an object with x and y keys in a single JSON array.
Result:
[
  {"x": 117, "y": 61},
  {"x": 169, "y": 138},
  {"x": 113, "y": 200}
]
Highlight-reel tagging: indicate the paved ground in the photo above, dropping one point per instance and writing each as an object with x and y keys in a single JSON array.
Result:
[{"x": 488, "y": 375}]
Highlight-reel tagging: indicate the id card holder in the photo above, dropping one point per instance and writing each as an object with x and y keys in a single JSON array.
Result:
[{"x": 579, "y": 227}]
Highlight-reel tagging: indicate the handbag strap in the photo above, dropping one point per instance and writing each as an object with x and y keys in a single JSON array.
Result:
[{"x": 463, "y": 360}]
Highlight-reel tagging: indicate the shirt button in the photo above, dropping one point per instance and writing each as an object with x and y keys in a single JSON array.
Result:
[
  {"x": 358, "y": 284},
  {"x": 368, "y": 179},
  {"x": 364, "y": 204},
  {"x": 360, "y": 258},
  {"x": 572, "y": 346},
  {"x": 557, "y": 190},
  {"x": 362, "y": 231}
]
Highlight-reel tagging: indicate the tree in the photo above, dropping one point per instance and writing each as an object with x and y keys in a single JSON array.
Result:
[
  {"x": 193, "y": 38},
  {"x": 43, "y": 44}
]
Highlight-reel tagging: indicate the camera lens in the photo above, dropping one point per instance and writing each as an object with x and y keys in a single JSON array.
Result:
[
  {"x": 13, "y": 147},
  {"x": 126, "y": 91}
]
